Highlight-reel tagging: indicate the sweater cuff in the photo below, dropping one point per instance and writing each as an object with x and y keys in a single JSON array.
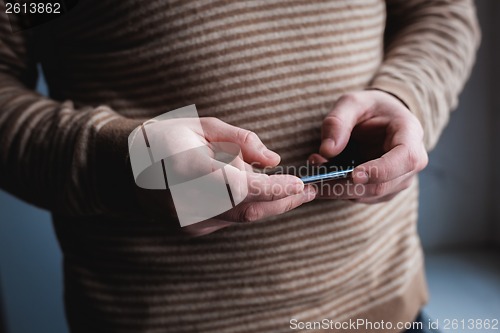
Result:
[
  {"x": 406, "y": 95},
  {"x": 114, "y": 181},
  {"x": 400, "y": 91}
]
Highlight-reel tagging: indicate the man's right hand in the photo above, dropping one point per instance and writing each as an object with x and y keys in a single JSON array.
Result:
[{"x": 267, "y": 195}]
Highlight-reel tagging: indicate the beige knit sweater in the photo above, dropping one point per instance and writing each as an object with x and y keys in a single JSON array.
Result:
[{"x": 273, "y": 67}]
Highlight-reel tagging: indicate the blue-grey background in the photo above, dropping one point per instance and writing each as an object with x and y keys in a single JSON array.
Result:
[{"x": 459, "y": 216}]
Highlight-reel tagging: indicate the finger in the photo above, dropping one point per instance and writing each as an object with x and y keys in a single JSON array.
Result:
[
  {"x": 317, "y": 159},
  {"x": 405, "y": 154},
  {"x": 252, "y": 186},
  {"x": 254, "y": 151},
  {"x": 386, "y": 189},
  {"x": 263, "y": 187},
  {"x": 339, "y": 189},
  {"x": 398, "y": 161},
  {"x": 346, "y": 190},
  {"x": 248, "y": 167},
  {"x": 339, "y": 123},
  {"x": 228, "y": 153},
  {"x": 250, "y": 212},
  {"x": 402, "y": 186},
  {"x": 205, "y": 227}
]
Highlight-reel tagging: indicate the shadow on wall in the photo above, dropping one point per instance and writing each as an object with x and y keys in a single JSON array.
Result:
[
  {"x": 30, "y": 268},
  {"x": 458, "y": 197},
  {"x": 2, "y": 320}
]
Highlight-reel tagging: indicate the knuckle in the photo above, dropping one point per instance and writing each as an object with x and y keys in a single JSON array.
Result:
[
  {"x": 420, "y": 129},
  {"x": 273, "y": 195},
  {"x": 351, "y": 98},
  {"x": 408, "y": 183},
  {"x": 417, "y": 160},
  {"x": 382, "y": 172},
  {"x": 386, "y": 174},
  {"x": 288, "y": 206},
  {"x": 416, "y": 125},
  {"x": 413, "y": 160},
  {"x": 211, "y": 120},
  {"x": 424, "y": 161},
  {"x": 332, "y": 121},
  {"x": 379, "y": 189},
  {"x": 247, "y": 136}
]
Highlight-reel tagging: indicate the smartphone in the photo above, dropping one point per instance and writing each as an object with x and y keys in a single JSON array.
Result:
[
  {"x": 339, "y": 167},
  {"x": 327, "y": 176}
]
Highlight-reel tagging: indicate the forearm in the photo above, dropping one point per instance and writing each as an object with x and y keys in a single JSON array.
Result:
[
  {"x": 115, "y": 183},
  {"x": 69, "y": 161},
  {"x": 430, "y": 49}
]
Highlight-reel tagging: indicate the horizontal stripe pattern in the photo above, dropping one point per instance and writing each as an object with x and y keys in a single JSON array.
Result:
[
  {"x": 273, "y": 67},
  {"x": 338, "y": 260}
]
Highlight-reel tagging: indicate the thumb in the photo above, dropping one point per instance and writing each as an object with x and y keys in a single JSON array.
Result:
[{"x": 338, "y": 125}]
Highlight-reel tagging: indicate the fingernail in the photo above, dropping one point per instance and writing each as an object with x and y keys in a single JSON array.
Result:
[
  {"x": 327, "y": 147},
  {"x": 310, "y": 193},
  {"x": 271, "y": 154},
  {"x": 330, "y": 143},
  {"x": 298, "y": 186}
]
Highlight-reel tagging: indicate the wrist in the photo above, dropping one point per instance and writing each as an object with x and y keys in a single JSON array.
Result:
[
  {"x": 113, "y": 174},
  {"x": 391, "y": 95}
]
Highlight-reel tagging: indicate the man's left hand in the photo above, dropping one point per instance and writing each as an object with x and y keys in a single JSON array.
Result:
[{"x": 391, "y": 139}]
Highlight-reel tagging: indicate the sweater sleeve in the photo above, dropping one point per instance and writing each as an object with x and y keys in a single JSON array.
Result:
[
  {"x": 430, "y": 47},
  {"x": 70, "y": 161}
]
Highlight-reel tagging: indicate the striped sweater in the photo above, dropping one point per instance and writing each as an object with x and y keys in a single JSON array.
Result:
[{"x": 273, "y": 67}]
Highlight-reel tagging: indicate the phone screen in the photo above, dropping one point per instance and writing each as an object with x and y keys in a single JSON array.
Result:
[
  {"x": 341, "y": 166},
  {"x": 323, "y": 177}
]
